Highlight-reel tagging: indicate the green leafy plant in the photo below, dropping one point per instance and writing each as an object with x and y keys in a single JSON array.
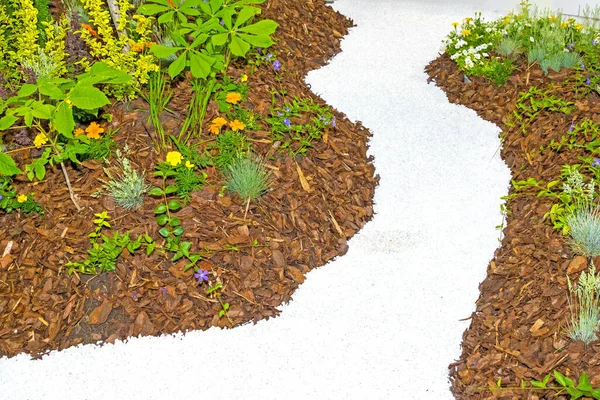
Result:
[
  {"x": 127, "y": 187},
  {"x": 158, "y": 97},
  {"x": 229, "y": 146},
  {"x": 10, "y": 200},
  {"x": 531, "y": 103},
  {"x": 106, "y": 250},
  {"x": 584, "y": 230},
  {"x": 563, "y": 384},
  {"x": 298, "y": 123},
  {"x": 584, "y": 135},
  {"x": 585, "y": 310}
]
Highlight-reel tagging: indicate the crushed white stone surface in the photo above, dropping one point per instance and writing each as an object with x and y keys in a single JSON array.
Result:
[{"x": 382, "y": 321}]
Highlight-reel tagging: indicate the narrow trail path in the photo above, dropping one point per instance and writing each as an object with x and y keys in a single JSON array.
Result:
[{"x": 381, "y": 322}]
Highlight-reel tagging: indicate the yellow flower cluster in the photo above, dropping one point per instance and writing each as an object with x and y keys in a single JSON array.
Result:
[
  {"x": 174, "y": 158},
  {"x": 40, "y": 140},
  {"x": 21, "y": 198},
  {"x": 120, "y": 52}
]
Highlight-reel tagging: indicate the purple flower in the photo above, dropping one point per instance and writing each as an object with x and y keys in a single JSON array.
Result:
[
  {"x": 596, "y": 162},
  {"x": 222, "y": 23},
  {"x": 287, "y": 122},
  {"x": 276, "y": 65},
  {"x": 135, "y": 295},
  {"x": 259, "y": 50},
  {"x": 287, "y": 109},
  {"x": 333, "y": 122},
  {"x": 588, "y": 81},
  {"x": 1, "y": 197},
  {"x": 201, "y": 275},
  {"x": 163, "y": 290},
  {"x": 570, "y": 47},
  {"x": 279, "y": 113},
  {"x": 594, "y": 42},
  {"x": 572, "y": 126},
  {"x": 582, "y": 66},
  {"x": 269, "y": 55}
]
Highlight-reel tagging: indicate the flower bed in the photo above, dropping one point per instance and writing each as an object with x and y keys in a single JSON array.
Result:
[
  {"x": 165, "y": 178},
  {"x": 534, "y": 331}
]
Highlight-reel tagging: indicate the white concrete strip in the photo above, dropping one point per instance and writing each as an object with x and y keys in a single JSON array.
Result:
[{"x": 381, "y": 322}]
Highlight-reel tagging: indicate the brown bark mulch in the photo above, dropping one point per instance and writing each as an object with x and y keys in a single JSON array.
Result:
[
  {"x": 518, "y": 329},
  {"x": 314, "y": 205}
]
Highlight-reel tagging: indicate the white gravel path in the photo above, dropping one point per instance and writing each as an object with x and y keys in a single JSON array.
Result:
[{"x": 381, "y": 322}]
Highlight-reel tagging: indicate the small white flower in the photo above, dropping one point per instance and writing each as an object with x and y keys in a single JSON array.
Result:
[
  {"x": 478, "y": 56},
  {"x": 486, "y": 55},
  {"x": 488, "y": 29},
  {"x": 531, "y": 39}
]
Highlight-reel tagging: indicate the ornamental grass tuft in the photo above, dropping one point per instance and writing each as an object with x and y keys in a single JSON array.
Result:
[
  {"x": 585, "y": 312},
  {"x": 584, "y": 229},
  {"x": 247, "y": 176}
]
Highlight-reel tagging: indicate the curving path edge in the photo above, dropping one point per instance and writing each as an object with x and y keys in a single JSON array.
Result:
[{"x": 381, "y": 322}]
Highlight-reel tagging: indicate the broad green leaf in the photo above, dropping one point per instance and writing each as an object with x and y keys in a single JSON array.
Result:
[
  {"x": 171, "y": 189},
  {"x": 8, "y": 166},
  {"x": 87, "y": 97},
  {"x": 151, "y": 9},
  {"x": 162, "y": 219},
  {"x": 178, "y": 231},
  {"x": 174, "y": 222},
  {"x": 156, "y": 192},
  {"x": 7, "y": 121},
  {"x": 178, "y": 65},
  {"x": 220, "y": 39},
  {"x": 264, "y": 27},
  {"x": 584, "y": 383},
  {"x": 27, "y": 90},
  {"x": 238, "y": 47},
  {"x": 41, "y": 110},
  {"x": 185, "y": 248},
  {"x": 160, "y": 209},
  {"x": 263, "y": 41},
  {"x": 200, "y": 64},
  {"x": 164, "y": 232},
  {"x": 166, "y": 17},
  {"x": 63, "y": 119},
  {"x": 243, "y": 16},
  {"x": 50, "y": 89},
  {"x": 150, "y": 248},
  {"x": 161, "y": 51},
  {"x": 174, "y": 205},
  {"x": 201, "y": 38}
]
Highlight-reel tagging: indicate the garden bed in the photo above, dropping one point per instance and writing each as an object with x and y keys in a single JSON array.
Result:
[
  {"x": 518, "y": 332},
  {"x": 255, "y": 253}
]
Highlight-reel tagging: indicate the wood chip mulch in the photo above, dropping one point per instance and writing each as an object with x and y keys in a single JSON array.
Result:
[
  {"x": 315, "y": 204},
  {"x": 518, "y": 329}
]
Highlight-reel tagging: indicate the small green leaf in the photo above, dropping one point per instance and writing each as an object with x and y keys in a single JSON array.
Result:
[
  {"x": 177, "y": 66},
  {"x": 7, "y": 121},
  {"x": 63, "y": 119},
  {"x": 584, "y": 383},
  {"x": 185, "y": 248},
  {"x": 162, "y": 219},
  {"x": 170, "y": 189},
  {"x": 164, "y": 232},
  {"x": 150, "y": 248},
  {"x": 161, "y": 51},
  {"x": 160, "y": 209},
  {"x": 174, "y": 222},
  {"x": 178, "y": 231},
  {"x": 156, "y": 192},
  {"x": 27, "y": 90},
  {"x": 174, "y": 205}
]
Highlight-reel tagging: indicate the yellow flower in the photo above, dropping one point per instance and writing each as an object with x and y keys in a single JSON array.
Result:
[
  {"x": 78, "y": 132},
  {"x": 40, "y": 140},
  {"x": 94, "y": 130},
  {"x": 220, "y": 121},
  {"x": 21, "y": 198},
  {"x": 466, "y": 32},
  {"x": 455, "y": 24},
  {"x": 69, "y": 102},
  {"x": 506, "y": 20},
  {"x": 468, "y": 19},
  {"x": 578, "y": 27},
  {"x": 551, "y": 17},
  {"x": 233, "y": 97},
  {"x": 243, "y": 78},
  {"x": 564, "y": 24},
  {"x": 237, "y": 125},
  {"x": 214, "y": 129},
  {"x": 174, "y": 158},
  {"x": 189, "y": 165}
]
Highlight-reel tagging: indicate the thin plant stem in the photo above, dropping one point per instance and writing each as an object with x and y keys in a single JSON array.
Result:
[{"x": 71, "y": 194}]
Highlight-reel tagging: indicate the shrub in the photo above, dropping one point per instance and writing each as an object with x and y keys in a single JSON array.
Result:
[{"x": 584, "y": 229}]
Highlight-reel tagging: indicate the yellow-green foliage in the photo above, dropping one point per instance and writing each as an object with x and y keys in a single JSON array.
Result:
[
  {"x": 126, "y": 53},
  {"x": 55, "y": 44},
  {"x": 18, "y": 37}
]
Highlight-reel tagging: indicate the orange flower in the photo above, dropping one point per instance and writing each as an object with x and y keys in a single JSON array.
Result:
[
  {"x": 237, "y": 125},
  {"x": 94, "y": 131},
  {"x": 214, "y": 129},
  {"x": 89, "y": 29},
  {"x": 233, "y": 97},
  {"x": 220, "y": 121},
  {"x": 138, "y": 47},
  {"x": 78, "y": 132}
]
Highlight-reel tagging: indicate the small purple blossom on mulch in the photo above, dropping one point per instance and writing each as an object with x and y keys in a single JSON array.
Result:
[
  {"x": 596, "y": 162},
  {"x": 201, "y": 275},
  {"x": 135, "y": 295},
  {"x": 287, "y": 122},
  {"x": 333, "y": 123},
  {"x": 163, "y": 290},
  {"x": 276, "y": 65},
  {"x": 588, "y": 81},
  {"x": 572, "y": 126}
]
